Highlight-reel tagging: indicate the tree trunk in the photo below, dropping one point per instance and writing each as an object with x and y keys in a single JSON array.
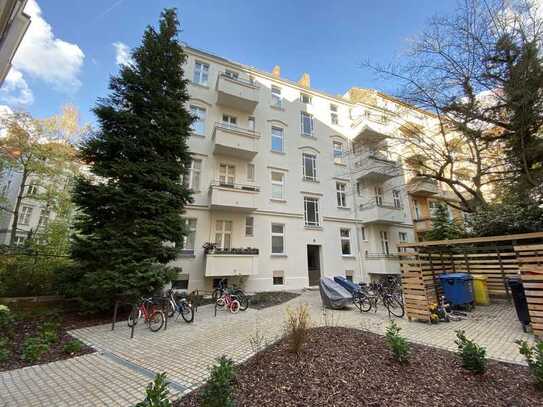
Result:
[{"x": 15, "y": 221}]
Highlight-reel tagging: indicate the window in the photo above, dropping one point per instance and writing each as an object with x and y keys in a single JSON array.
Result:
[
  {"x": 396, "y": 199},
  {"x": 379, "y": 196},
  {"x": 307, "y": 124},
  {"x": 309, "y": 164},
  {"x": 359, "y": 188},
  {"x": 198, "y": 125},
  {"x": 278, "y": 238},
  {"x": 311, "y": 211},
  {"x": 216, "y": 281},
  {"x": 44, "y": 217},
  {"x": 341, "y": 194},
  {"x": 190, "y": 238},
  {"x": 278, "y": 277},
  {"x": 433, "y": 206},
  {"x": 182, "y": 283},
  {"x": 345, "y": 235},
  {"x": 19, "y": 240},
  {"x": 192, "y": 179},
  {"x": 417, "y": 209},
  {"x": 252, "y": 123},
  {"x": 402, "y": 237},
  {"x": 201, "y": 73},
  {"x": 231, "y": 74},
  {"x": 25, "y": 214},
  {"x": 349, "y": 275},
  {"x": 305, "y": 98},
  {"x": 223, "y": 233},
  {"x": 229, "y": 121},
  {"x": 338, "y": 152},
  {"x": 227, "y": 175},
  {"x": 333, "y": 114},
  {"x": 250, "y": 172},
  {"x": 277, "y": 139},
  {"x": 277, "y": 100},
  {"x": 32, "y": 189},
  {"x": 384, "y": 242},
  {"x": 278, "y": 185},
  {"x": 364, "y": 234},
  {"x": 249, "y": 226}
]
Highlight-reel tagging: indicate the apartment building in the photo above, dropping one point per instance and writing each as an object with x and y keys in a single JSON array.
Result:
[
  {"x": 13, "y": 25},
  {"x": 289, "y": 183}
]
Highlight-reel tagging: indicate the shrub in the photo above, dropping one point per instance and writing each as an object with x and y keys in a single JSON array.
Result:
[
  {"x": 534, "y": 357},
  {"x": 218, "y": 390},
  {"x": 397, "y": 343},
  {"x": 49, "y": 332},
  {"x": 73, "y": 346},
  {"x": 296, "y": 327},
  {"x": 473, "y": 356},
  {"x": 34, "y": 348},
  {"x": 4, "y": 351},
  {"x": 156, "y": 393},
  {"x": 257, "y": 341},
  {"x": 6, "y": 319}
]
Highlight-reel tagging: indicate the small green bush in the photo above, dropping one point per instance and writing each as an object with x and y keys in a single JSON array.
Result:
[
  {"x": 218, "y": 390},
  {"x": 6, "y": 319},
  {"x": 49, "y": 332},
  {"x": 534, "y": 357},
  {"x": 397, "y": 343},
  {"x": 473, "y": 356},
  {"x": 4, "y": 351},
  {"x": 156, "y": 393},
  {"x": 73, "y": 346},
  {"x": 34, "y": 348}
]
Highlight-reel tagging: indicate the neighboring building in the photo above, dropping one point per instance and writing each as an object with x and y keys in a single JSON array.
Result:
[
  {"x": 290, "y": 182},
  {"x": 13, "y": 25}
]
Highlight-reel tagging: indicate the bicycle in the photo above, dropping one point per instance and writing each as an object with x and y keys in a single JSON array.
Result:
[
  {"x": 147, "y": 309},
  {"x": 367, "y": 297},
  {"x": 234, "y": 291},
  {"x": 229, "y": 302},
  {"x": 180, "y": 305}
]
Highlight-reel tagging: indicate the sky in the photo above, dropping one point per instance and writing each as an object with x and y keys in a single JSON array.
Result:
[{"x": 73, "y": 47}]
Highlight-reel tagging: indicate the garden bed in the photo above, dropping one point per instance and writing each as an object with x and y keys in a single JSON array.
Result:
[
  {"x": 347, "y": 367},
  {"x": 269, "y": 299}
]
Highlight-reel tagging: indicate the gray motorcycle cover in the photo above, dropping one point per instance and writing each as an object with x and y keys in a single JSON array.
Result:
[{"x": 333, "y": 295}]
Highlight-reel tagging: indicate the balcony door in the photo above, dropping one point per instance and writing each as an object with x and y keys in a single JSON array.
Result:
[
  {"x": 379, "y": 196},
  {"x": 227, "y": 175},
  {"x": 229, "y": 121},
  {"x": 223, "y": 234},
  {"x": 385, "y": 247}
]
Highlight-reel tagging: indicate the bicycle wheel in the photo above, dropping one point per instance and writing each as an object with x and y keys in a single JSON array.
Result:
[
  {"x": 234, "y": 306},
  {"x": 217, "y": 293},
  {"x": 186, "y": 312},
  {"x": 220, "y": 302},
  {"x": 243, "y": 301},
  {"x": 394, "y": 306},
  {"x": 134, "y": 316},
  {"x": 156, "y": 320},
  {"x": 362, "y": 302},
  {"x": 170, "y": 308}
]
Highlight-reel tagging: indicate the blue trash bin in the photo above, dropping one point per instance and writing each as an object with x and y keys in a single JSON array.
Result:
[{"x": 457, "y": 288}]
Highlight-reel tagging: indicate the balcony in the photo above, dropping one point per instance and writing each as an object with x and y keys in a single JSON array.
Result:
[
  {"x": 423, "y": 225},
  {"x": 235, "y": 141},
  {"x": 237, "y": 93},
  {"x": 231, "y": 262},
  {"x": 422, "y": 186},
  {"x": 382, "y": 263},
  {"x": 381, "y": 213},
  {"x": 375, "y": 167},
  {"x": 233, "y": 197},
  {"x": 371, "y": 134}
]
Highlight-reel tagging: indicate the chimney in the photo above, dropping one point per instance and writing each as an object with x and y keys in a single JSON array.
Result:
[
  {"x": 276, "y": 71},
  {"x": 305, "y": 80}
]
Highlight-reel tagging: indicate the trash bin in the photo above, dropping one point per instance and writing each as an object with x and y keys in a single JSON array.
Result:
[
  {"x": 480, "y": 290},
  {"x": 519, "y": 298},
  {"x": 458, "y": 289}
]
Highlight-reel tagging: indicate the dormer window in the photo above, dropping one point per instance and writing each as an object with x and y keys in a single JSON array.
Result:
[{"x": 305, "y": 98}]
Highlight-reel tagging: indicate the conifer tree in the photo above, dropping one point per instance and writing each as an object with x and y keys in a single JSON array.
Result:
[{"x": 443, "y": 228}]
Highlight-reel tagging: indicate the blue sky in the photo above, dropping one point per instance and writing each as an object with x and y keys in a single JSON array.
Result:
[{"x": 69, "y": 55}]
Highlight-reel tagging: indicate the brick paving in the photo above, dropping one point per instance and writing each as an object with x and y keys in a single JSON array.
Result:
[{"x": 117, "y": 375}]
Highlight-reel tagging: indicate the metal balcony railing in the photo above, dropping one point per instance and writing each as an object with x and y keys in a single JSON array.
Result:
[
  {"x": 235, "y": 186},
  {"x": 380, "y": 255},
  {"x": 229, "y": 126},
  {"x": 381, "y": 204},
  {"x": 246, "y": 82}
]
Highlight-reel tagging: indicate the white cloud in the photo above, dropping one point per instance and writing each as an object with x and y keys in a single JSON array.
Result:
[
  {"x": 15, "y": 91},
  {"x": 122, "y": 53},
  {"x": 43, "y": 56}
]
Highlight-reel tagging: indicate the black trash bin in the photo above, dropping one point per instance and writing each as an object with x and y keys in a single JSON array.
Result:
[{"x": 519, "y": 298}]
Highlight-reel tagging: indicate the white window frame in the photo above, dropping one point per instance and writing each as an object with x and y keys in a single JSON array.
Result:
[
  {"x": 251, "y": 172},
  {"x": 227, "y": 173},
  {"x": 311, "y": 124},
  {"x": 385, "y": 244},
  {"x": 334, "y": 118},
  {"x": 201, "y": 73},
  {"x": 190, "y": 224},
  {"x": 32, "y": 189},
  {"x": 364, "y": 233},
  {"x": 277, "y": 99},
  {"x": 231, "y": 74},
  {"x": 312, "y": 158},
  {"x": 309, "y": 200},
  {"x": 25, "y": 215},
  {"x": 341, "y": 194},
  {"x": 378, "y": 195},
  {"x": 199, "y": 123},
  {"x": 222, "y": 232},
  {"x": 416, "y": 207},
  {"x": 279, "y": 274},
  {"x": 20, "y": 240},
  {"x": 194, "y": 175},
  {"x": 396, "y": 198},
  {"x": 44, "y": 217},
  {"x": 251, "y": 123},
  {"x": 249, "y": 226},
  {"x": 229, "y": 120},
  {"x": 279, "y": 134},
  {"x": 346, "y": 239},
  {"x": 278, "y": 234},
  {"x": 338, "y": 152},
  {"x": 278, "y": 184}
]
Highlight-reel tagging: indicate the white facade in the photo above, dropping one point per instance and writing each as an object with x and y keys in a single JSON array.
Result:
[
  {"x": 291, "y": 172},
  {"x": 13, "y": 25}
]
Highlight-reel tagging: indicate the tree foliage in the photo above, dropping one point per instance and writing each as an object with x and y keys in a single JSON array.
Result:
[
  {"x": 443, "y": 228},
  {"x": 130, "y": 207}
]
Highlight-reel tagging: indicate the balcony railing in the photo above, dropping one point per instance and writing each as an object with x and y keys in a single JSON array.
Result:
[
  {"x": 229, "y": 185},
  {"x": 383, "y": 212},
  {"x": 380, "y": 255},
  {"x": 233, "y": 196},
  {"x": 236, "y": 141},
  {"x": 231, "y": 262},
  {"x": 422, "y": 186},
  {"x": 375, "y": 166},
  {"x": 382, "y": 263},
  {"x": 237, "y": 93},
  {"x": 383, "y": 204}
]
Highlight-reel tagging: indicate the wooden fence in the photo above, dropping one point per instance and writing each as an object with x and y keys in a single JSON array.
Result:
[{"x": 495, "y": 257}]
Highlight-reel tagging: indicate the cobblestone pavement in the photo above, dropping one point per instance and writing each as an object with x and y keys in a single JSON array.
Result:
[{"x": 116, "y": 376}]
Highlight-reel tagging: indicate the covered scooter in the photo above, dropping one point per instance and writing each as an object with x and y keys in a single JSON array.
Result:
[{"x": 334, "y": 295}]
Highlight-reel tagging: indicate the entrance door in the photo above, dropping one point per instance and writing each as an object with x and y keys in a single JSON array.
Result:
[{"x": 313, "y": 264}]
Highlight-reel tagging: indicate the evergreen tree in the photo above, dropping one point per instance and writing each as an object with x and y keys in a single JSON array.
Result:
[
  {"x": 130, "y": 210},
  {"x": 443, "y": 228}
]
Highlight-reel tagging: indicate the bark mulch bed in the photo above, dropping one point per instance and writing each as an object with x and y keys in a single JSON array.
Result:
[
  {"x": 348, "y": 367},
  {"x": 269, "y": 299}
]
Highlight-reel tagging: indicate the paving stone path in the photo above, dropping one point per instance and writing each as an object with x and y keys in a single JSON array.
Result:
[{"x": 117, "y": 374}]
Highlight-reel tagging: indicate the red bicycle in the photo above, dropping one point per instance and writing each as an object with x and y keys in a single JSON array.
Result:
[
  {"x": 152, "y": 316},
  {"x": 228, "y": 301}
]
